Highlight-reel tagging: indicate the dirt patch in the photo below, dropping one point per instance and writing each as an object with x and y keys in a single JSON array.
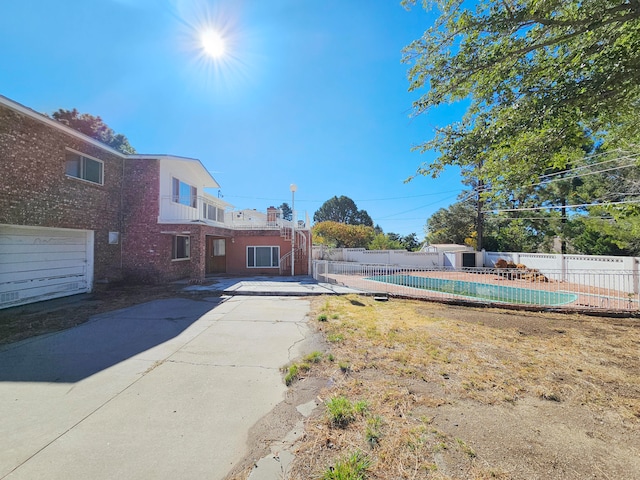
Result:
[
  {"x": 274, "y": 427},
  {"x": 455, "y": 392},
  {"x": 27, "y": 321},
  {"x": 451, "y": 392}
]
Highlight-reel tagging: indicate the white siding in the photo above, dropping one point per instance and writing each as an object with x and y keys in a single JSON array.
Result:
[{"x": 42, "y": 263}]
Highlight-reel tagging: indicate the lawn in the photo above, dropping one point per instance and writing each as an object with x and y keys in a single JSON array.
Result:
[{"x": 423, "y": 390}]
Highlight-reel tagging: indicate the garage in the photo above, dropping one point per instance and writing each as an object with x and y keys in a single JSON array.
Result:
[{"x": 39, "y": 263}]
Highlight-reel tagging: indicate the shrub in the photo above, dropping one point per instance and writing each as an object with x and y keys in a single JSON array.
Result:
[
  {"x": 314, "y": 357},
  {"x": 342, "y": 411},
  {"x": 352, "y": 467}
]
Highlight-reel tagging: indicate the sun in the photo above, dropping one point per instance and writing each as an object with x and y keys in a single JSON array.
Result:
[{"x": 213, "y": 44}]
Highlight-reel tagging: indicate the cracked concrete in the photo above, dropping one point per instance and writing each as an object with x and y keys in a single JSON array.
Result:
[{"x": 168, "y": 389}]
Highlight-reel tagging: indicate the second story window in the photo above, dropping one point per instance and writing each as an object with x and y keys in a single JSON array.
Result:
[
  {"x": 184, "y": 193},
  {"x": 214, "y": 213},
  {"x": 85, "y": 168}
]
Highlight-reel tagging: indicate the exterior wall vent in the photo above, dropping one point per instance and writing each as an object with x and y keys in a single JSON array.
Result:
[{"x": 9, "y": 297}]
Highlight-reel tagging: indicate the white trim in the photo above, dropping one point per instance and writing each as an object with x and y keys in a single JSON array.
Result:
[
  {"x": 56, "y": 124},
  {"x": 17, "y": 107},
  {"x": 90, "y": 258}
]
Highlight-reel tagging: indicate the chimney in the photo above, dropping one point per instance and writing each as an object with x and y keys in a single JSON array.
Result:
[{"x": 272, "y": 215}]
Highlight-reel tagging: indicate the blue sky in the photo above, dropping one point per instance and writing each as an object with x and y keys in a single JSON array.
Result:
[{"x": 309, "y": 92}]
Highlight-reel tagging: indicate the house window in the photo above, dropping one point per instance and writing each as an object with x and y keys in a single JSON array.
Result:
[
  {"x": 268, "y": 257},
  {"x": 181, "y": 247},
  {"x": 85, "y": 168},
  {"x": 219, "y": 247},
  {"x": 213, "y": 213},
  {"x": 184, "y": 193}
]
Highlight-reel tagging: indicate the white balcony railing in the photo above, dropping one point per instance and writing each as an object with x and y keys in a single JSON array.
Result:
[
  {"x": 208, "y": 210},
  {"x": 191, "y": 209},
  {"x": 250, "y": 220}
]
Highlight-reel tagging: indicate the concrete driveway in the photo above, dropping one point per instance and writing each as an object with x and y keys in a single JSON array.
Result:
[{"x": 167, "y": 389}]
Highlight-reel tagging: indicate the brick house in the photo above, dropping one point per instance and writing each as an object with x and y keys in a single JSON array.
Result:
[{"x": 74, "y": 212}]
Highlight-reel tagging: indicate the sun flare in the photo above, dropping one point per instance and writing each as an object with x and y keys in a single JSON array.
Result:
[{"x": 213, "y": 43}]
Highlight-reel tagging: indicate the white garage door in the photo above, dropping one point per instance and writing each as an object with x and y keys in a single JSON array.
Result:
[{"x": 43, "y": 263}]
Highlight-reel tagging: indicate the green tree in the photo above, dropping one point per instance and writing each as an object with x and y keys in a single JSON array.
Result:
[
  {"x": 287, "y": 213},
  {"x": 383, "y": 241},
  {"x": 340, "y": 235},
  {"x": 410, "y": 242},
  {"x": 541, "y": 79},
  {"x": 93, "y": 127},
  {"x": 454, "y": 224},
  {"x": 503, "y": 232},
  {"x": 594, "y": 237},
  {"x": 582, "y": 55},
  {"x": 342, "y": 210}
]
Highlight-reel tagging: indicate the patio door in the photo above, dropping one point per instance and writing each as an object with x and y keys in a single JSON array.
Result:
[{"x": 216, "y": 255}]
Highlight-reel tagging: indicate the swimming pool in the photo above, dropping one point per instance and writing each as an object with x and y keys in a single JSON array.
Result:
[{"x": 495, "y": 293}]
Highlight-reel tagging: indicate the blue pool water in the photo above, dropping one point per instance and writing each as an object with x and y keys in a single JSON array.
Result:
[{"x": 485, "y": 291}]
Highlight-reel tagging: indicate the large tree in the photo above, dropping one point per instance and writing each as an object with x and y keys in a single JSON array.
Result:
[
  {"x": 508, "y": 232},
  {"x": 93, "y": 127},
  {"x": 287, "y": 213},
  {"x": 408, "y": 242},
  {"x": 540, "y": 78},
  {"x": 341, "y": 235},
  {"x": 454, "y": 224},
  {"x": 342, "y": 210}
]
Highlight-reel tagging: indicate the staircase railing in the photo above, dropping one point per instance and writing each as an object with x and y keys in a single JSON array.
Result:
[{"x": 300, "y": 249}]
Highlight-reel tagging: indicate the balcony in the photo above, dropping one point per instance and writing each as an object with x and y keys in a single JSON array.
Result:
[
  {"x": 204, "y": 209},
  {"x": 255, "y": 220},
  {"x": 211, "y": 211}
]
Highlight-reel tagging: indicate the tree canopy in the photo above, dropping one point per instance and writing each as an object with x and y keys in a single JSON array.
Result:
[
  {"x": 342, "y": 210},
  {"x": 541, "y": 78},
  {"x": 94, "y": 127},
  {"x": 451, "y": 225},
  {"x": 341, "y": 235},
  {"x": 549, "y": 87},
  {"x": 287, "y": 213}
]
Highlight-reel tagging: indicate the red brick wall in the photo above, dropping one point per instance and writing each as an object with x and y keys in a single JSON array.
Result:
[
  {"x": 34, "y": 189},
  {"x": 148, "y": 245},
  {"x": 237, "y": 252}
]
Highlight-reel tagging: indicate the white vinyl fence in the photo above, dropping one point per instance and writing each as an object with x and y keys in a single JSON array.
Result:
[{"x": 545, "y": 288}]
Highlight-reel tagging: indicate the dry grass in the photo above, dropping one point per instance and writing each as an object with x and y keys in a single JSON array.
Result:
[{"x": 415, "y": 363}]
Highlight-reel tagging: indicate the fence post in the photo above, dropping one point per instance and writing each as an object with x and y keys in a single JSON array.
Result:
[{"x": 630, "y": 265}]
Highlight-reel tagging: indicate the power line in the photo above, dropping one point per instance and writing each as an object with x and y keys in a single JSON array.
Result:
[
  {"x": 355, "y": 200},
  {"x": 414, "y": 209},
  {"x": 509, "y": 219},
  {"x": 580, "y": 167},
  {"x": 586, "y": 174},
  {"x": 410, "y": 196},
  {"x": 634, "y": 155},
  {"x": 530, "y": 209}
]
